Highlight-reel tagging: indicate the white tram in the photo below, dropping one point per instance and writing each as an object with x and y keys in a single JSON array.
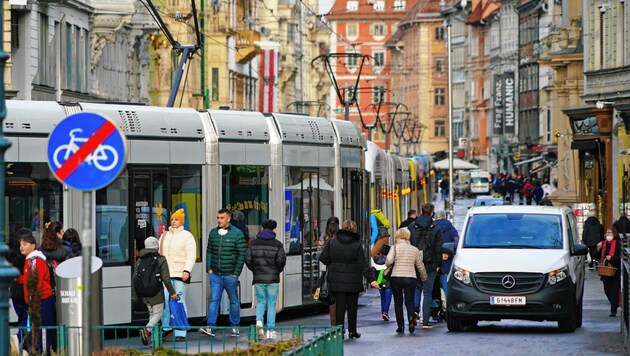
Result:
[{"x": 295, "y": 169}]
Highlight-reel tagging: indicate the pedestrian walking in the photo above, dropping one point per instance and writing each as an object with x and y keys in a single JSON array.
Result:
[
  {"x": 411, "y": 217},
  {"x": 332, "y": 226},
  {"x": 406, "y": 259},
  {"x": 385, "y": 291},
  {"x": 623, "y": 227},
  {"x": 71, "y": 239},
  {"x": 610, "y": 252},
  {"x": 427, "y": 237},
  {"x": 225, "y": 257},
  {"x": 179, "y": 248},
  {"x": 449, "y": 235},
  {"x": 266, "y": 259},
  {"x": 347, "y": 266},
  {"x": 52, "y": 243},
  {"x": 17, "y": 259},
  {"x": 148, "y": 263},
  {"x": 592, "y": 234},
  {"x": 36, "y": 272}
]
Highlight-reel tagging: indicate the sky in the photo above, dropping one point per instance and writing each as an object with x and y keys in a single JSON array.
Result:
[{"x": 325, "y": 5}]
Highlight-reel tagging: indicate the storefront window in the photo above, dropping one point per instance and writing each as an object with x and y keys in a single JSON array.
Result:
[{"x": 32, "y": 197}]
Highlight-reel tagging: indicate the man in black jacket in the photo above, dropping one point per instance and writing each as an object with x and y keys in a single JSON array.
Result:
[
  {"x": 592, "y": 234},
  {"x": 411, "y": 217},
  {"x": 265, "y": 257},
  {"x": 432, "y": 259}
]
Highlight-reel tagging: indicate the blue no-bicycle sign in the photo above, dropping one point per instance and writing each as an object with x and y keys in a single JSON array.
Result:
[{"x": 86, "y": 151}]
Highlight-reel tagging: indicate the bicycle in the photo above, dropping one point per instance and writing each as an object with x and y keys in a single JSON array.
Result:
[{"x": 101, "y": 155}]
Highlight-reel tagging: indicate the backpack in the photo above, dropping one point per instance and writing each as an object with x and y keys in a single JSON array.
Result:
[
  {"x": 422, "y": 238},
  {"x": 147, "y": 280},
  {"x": 52, "y": 265},
  {"x": 381, "y": 219}
]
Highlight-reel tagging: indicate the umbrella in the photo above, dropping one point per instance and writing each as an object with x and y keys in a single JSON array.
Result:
[
  {"x": 314, "y": 182},
  {"x": 457, "y": 164}
]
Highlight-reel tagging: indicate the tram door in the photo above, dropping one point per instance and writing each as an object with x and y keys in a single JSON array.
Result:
[
  {"x": 310, "y": 215},
  {"x": 149, "y": 208}
]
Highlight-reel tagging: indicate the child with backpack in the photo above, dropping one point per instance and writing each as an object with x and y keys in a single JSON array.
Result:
[
  {"x": 39, "y": 289},
  {"x": 150, "y": 277}
]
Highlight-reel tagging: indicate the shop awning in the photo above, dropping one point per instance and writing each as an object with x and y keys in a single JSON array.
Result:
[{"x": 530, "y": 160}]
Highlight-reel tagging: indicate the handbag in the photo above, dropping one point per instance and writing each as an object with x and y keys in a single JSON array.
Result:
[
  {"x": 323, "y": 293},
  {"x": 179, "y": 320},
  {"x": 387, "y": 273},
  {"x": 604, "y": 269}
]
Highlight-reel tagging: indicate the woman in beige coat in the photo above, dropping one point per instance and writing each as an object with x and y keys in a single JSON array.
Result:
[{"x": 407, "y": 259}]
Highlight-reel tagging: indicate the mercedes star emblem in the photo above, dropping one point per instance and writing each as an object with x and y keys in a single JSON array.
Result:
[{"x": 508, "y": 281}]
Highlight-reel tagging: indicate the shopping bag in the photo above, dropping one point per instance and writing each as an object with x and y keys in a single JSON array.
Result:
[{"x": 179, "y": 320}]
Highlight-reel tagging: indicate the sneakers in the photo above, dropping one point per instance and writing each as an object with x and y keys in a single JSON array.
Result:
[
  {"x": 259, "y": 330},
  {"x": 145, "y": 335},
  {"x": 206, "y": 331},
  {"x": 385, "y": 317},
  {"x": 271, "y": 334},
  {"x": 166, "y": 334},
  {"x": 426, "y": 326},
  {"x": 412, "y": 328},
  {"x": 235, "y": 332}
]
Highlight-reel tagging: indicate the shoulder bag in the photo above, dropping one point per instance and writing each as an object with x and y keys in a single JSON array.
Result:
[
  {"x": 387, "y": 273},
  {"x": 323, "y": 293}
]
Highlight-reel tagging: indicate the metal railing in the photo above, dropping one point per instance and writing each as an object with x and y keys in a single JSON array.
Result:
[{"x": 304, "y": 340}]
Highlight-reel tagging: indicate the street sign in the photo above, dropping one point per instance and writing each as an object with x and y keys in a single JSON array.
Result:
[{"x": 86, "y": 151}]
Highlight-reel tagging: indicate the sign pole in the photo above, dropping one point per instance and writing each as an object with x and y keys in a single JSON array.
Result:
[{"x": 86, "y": 252}]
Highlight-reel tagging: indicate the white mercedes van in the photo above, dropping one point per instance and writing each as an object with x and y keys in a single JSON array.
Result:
[{"x": 517, "y": 262}]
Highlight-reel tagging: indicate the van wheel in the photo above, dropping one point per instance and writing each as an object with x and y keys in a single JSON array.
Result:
[
  {"x": 569, "y": 324},
  {"x": 454, "y": 324}
]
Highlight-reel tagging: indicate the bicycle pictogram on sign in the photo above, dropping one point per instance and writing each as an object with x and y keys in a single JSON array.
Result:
[
  {"x": 104, "y": 157},
  {"x": 86, "y": 151}
]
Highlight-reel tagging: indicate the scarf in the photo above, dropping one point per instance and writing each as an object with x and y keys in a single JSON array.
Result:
[{"x": 611, "y": 252}]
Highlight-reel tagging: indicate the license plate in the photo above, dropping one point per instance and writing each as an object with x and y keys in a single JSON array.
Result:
[{"x": 496, "y": 300}]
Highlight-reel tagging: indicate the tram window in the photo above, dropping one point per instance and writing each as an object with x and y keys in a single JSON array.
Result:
[
  {"x": 186, "y": 193},
  {"x": 246, "y": 189},
  {"x": 32, "y": 197},
  {"x": 112, "y": 240}
]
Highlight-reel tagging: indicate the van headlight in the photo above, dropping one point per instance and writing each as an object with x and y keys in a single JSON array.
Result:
[
  {"x": 462, "y": 275},
  {"x": 557, "y": 276}
]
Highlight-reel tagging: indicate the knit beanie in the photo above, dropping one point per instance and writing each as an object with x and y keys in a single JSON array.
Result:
[
  {"x": 151, "y": 242},
  {"x": 179, "y": 215}
]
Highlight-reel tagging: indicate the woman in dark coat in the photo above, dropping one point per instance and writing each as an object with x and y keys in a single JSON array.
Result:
[
  {"x": 347, "y": 265},
  {"x": 592, "y": 234},
  {"x": 611, "y": 252},
  {"x": 52, "y": 243}
]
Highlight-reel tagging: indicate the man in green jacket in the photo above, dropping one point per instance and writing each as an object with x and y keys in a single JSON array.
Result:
[{"x": 225, "y": 256}]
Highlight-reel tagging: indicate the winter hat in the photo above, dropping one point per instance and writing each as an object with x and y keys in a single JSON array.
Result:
[
  {"x": 179, "y": 215},
  {"x": 151, "y": 242}
]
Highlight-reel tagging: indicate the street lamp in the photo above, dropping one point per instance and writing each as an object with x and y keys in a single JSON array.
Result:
[{"x": 451, "y": 195}]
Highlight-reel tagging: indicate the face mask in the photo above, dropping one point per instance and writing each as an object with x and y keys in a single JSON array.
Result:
[
  {"x": 609, "y": 238},
  {"x": 223, "y": 232}
]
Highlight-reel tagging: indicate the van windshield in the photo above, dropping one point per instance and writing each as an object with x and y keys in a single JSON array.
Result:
[
  {"x": 538, "y": 231},
  {"x": 479, "y": 179}
]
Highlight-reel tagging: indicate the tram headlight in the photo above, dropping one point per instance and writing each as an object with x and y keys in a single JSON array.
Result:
[
  {"x": 557, "y": 276},
  {"x": 462, "y": 275}
]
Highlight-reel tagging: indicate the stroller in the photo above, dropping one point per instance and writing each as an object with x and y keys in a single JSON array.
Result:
[{"x": 438, "y": 306}]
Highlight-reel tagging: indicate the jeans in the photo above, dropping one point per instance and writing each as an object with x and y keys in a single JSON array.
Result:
[
  {"x": 266, "y": 296},
  {"x": 426, "y": 289},
  {"x": 403, "y": 287},
  {"x": 217, "y": 285},
  {"x": 180, "y": 289},
  {"x": 386, "y": 299},
  {"x": 21, "y": 309},
  {"x": 48, "y": 316},
  {"x": 444, "y": 281}
]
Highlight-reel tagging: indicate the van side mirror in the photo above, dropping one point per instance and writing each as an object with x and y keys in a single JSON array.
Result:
[{"x": 579, "y": 250}]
